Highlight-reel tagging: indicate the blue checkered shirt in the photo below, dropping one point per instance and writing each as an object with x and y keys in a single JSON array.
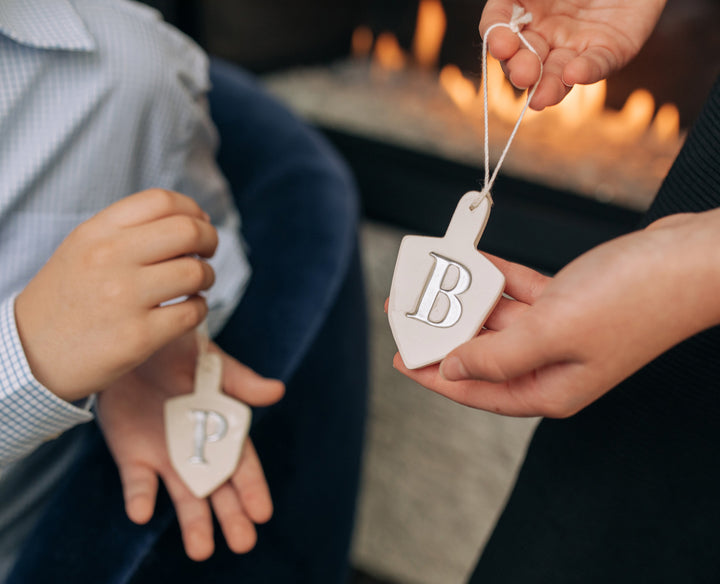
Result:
[{"x": 98, "y": 99}]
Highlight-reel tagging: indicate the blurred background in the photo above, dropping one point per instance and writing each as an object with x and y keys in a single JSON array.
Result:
[{"x": 395, "y": 86}]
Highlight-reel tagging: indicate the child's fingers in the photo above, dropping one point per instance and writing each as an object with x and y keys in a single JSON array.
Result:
[
  {"x": 195, "y": 520},
  {"x": 184, "y": 276},
  {"x": 248, "y": 386},
  {"x": 150, "y": 205},
  {"x": 252, "y": 488},
  {"x": 171, "y": 237},
  {"x": 140, "y": 485},
  {"x": 239, "y": 531},
  {"x": 166, "y": 323}
]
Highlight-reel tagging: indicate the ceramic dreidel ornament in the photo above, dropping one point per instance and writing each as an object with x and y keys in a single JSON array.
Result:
[
  {"x": 205, "y": 430},
  {"x": 443, "y": 288}
]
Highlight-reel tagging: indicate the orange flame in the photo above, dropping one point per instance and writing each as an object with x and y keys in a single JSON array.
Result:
[
  {"x": 429, "y": 33},
  {"x": 501, "y": 95},
  {"x": 666, "y": 125},
  {"x": 637, "y": 113},
  {"x": 584, "y": 105},
  {"x": 362, "y": 41},
  {"x": 461, "y": 90},
  {"x": 388, "y": 53}
]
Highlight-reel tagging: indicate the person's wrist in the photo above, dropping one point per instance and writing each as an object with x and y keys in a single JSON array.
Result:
[
  {"x": 694, "y": 243},
  {"x": 41, "y": 364}
]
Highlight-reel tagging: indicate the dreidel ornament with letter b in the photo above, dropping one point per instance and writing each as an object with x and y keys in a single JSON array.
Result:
[
  {"x": 443, "y": 288},
  {"x": 205, "y": 430}
]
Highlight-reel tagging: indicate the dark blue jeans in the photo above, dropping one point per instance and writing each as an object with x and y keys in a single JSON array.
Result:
[{"x": 302, "y": 320}]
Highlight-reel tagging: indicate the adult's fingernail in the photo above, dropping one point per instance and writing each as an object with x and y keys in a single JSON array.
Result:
[{"x": 453, "y": 369}]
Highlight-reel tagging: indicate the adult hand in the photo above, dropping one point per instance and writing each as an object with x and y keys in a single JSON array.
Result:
[
  {"x": 93, "y": 312},
  {"x": 563, "y": 342},
  {"x": 579, "y": 41},
  {"x": 131, "y": 415}
]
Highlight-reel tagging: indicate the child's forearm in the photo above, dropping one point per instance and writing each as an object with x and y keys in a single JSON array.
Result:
[{"x": 29, "y": 413}]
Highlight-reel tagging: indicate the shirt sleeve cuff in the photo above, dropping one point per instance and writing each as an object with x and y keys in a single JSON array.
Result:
[{"x": 30, "y": 414}]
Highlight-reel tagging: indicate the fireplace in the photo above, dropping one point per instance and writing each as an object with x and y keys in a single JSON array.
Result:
[
  {"x": 404, "y": 110},
  {"x": 409, "y": 120}
]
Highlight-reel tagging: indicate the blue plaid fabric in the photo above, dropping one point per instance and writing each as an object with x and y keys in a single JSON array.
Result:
[{"x": 98, "y": 99}]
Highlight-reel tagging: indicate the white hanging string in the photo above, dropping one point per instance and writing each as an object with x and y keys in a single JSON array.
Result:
[
  {"x": 518, "y": 19},
  {"x": 203, "y": 337}
]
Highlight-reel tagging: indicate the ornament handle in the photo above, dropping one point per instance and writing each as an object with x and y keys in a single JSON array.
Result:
[{"x": 470, "y": 218}]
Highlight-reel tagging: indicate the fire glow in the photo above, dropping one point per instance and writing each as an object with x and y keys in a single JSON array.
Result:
[
  {"x": 585, "y": 104},
  {"x": 388, "y": 94},
  {"x": 582, "y": 112}
]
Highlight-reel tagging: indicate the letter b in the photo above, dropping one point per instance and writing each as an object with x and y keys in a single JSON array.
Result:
[{"x": 433, "y": 288}]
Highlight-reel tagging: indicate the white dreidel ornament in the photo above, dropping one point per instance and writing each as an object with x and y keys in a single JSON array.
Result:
[
  {"x": 443, "y": 289},
  {"x": 205, "y": 430}
]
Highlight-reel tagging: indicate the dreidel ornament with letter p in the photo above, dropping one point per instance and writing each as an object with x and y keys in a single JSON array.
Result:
[
  {"x": 205, "y": 430},
  {"x": 443, "y": 288}
]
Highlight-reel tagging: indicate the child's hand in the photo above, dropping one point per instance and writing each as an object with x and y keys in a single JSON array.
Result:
[
  {"x": 130, "y": 413},
  {"x": 563, "y": 342},
  {"x": 579, "y": 42},
  {"x": 93, "y": 313}
]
